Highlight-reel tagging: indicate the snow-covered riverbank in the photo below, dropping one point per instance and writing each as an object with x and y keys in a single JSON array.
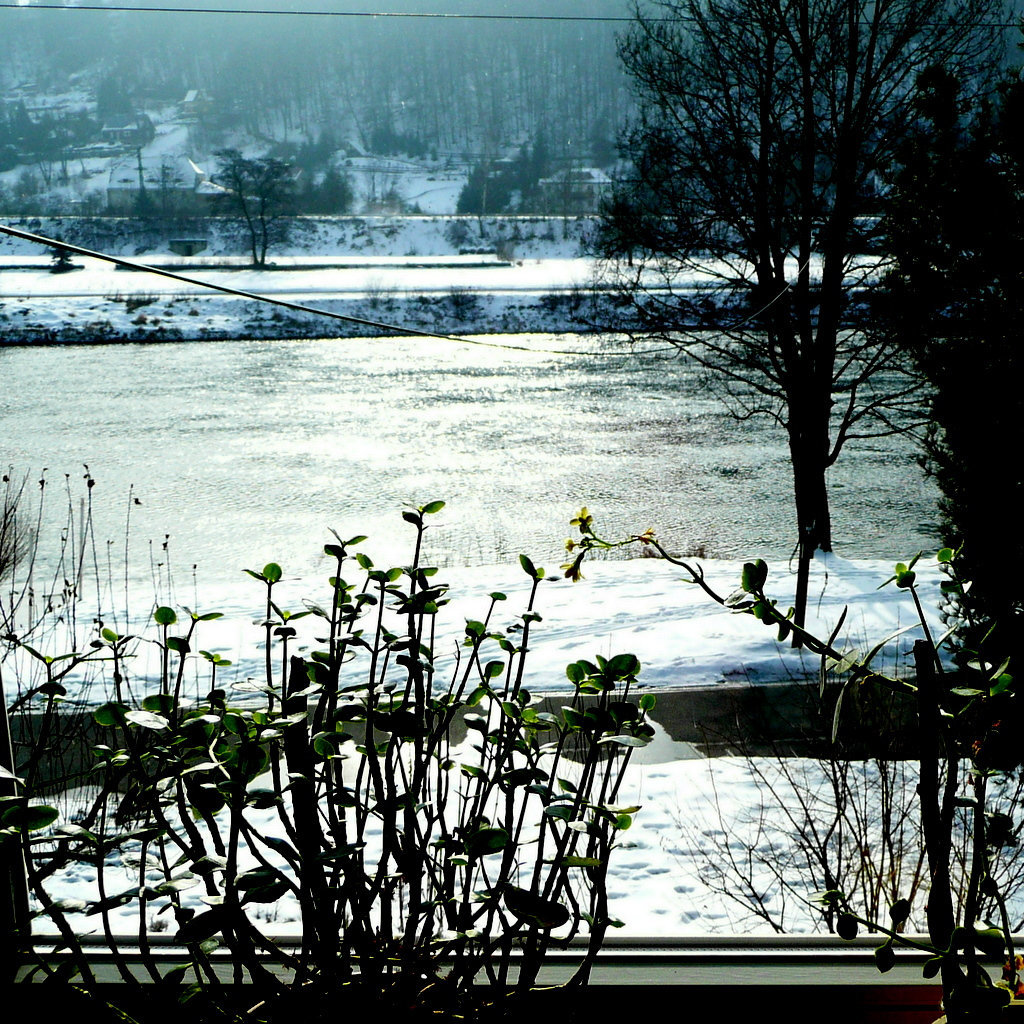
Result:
[
  {"x": 98, "y": 303},
  {"x": 447, "y": 275}
]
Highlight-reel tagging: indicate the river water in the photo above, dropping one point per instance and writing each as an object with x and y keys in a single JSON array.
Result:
[{"x": 246, "y": 452}]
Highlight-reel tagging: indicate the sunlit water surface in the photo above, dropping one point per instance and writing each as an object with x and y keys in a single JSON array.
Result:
[{"x": 246, "y": 452}]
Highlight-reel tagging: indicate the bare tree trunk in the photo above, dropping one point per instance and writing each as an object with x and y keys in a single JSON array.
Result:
[
  {"x": 937, "y": 795},
  {"x": 809, "y": 454},
  {"x": 14, "y": 907}
]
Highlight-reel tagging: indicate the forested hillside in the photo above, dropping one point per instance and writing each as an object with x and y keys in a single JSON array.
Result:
[{"x": 476, "y": 90}]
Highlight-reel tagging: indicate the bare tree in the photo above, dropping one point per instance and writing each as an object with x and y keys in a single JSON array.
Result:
[
  {"x": 764, "y": 129},
  {"x": 16, "y": 537},
  {"x": 260, "y": 190}
]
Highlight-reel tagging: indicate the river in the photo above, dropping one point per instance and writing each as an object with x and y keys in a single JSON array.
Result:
[{"x": 244, "y": 452}]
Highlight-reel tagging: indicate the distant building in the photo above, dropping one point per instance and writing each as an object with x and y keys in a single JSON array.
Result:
[
  {"x": 195, "y": 105},
  {"x": 128, "y": 130},
  {"x": 166, "y": 185},
  {"x": 575, "y": 190}
]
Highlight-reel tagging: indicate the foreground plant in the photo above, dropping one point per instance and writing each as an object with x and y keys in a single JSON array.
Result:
[
  {"x": 411, "y": 870},
  {"x": 968, "y": 716}
]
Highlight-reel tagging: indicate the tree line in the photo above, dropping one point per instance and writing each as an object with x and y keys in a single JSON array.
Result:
[{"x": 433, "y": 86}]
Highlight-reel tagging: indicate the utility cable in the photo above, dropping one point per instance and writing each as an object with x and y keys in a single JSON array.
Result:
[
  {"x": 298, "y": 307},
  {"x": 422, "y": 15},
  {"x": 419, "y": 15}
]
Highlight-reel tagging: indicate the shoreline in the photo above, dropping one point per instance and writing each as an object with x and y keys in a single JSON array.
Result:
[{"x": 123, "y": 319}]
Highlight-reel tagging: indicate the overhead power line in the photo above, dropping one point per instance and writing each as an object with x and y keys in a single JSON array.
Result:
[
  {"x": 440, "y": 16},
  {"x": 419, "y": 15},
  {"x": 398, "y": 330}
]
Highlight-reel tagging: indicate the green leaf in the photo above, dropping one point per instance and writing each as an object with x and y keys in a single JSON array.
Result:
[
  {"x": 839, "y": 708},
  {"x": 487, "y": 840},
  {"x": 73, "y": 830},
  {"x": 272, "y": 572},
  {"x": 581, "y": 862},
  {"x": 576, "y": 672},
  {"x": 828, "y": 898},
  {"x": 165, "y": 616},
  {"x": 104, "y": 906},
  {"x": 68, "y": 905},
  {"x": 209, "y": 863},
  {"x": 905, "y": 580},
  {"x": 530, "y": 907},
  {"x": 528, "y": 567},
  {"x": 158, "y": 702},
  {"x": 990, "y": 941},
  {"x": 754, "y": 575},
  {"x": 235, "y": 724},
  {"x": 110, "y": 714},
  {"x": 561, "y": 811},
  {"x": 996, "y": 673},
  {"x": 512, "y": 710},
  {"x": 624, "y": 741},
  {"x": 262, "y": 885},
  {"x": 1001, "y": 685},
  {"x": 885, "y": 957},
  {"x": 573, "y": 719},
  {"x": 202, "y": 926},
  {"x": 521, "y": 777},
  {"x": 146, "y": 719},
  {"x": 29, "y": 818},
  {"x": 623, "y": 665},
  {"x": 899, "y": 912},
  {"x": 967, "y": 691},
  {"x": 174, "y": 885},
  {"x": 648, "y": 702},
  {"x": 432, "y": 508},
  {"x": 932, "y": 966},
  {"x": 846, "y": 926}
]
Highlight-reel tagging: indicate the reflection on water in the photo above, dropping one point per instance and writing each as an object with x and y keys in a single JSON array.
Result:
[{"x": 246, "y": 452}]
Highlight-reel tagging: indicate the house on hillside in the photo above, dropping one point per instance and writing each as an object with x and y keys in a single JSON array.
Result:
[
  {"x": 575, "y": 190},
  {"x": 163, "y": 185},
  {"x": 195, "y": 105},
  {"x": 128, "y": 130}
]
